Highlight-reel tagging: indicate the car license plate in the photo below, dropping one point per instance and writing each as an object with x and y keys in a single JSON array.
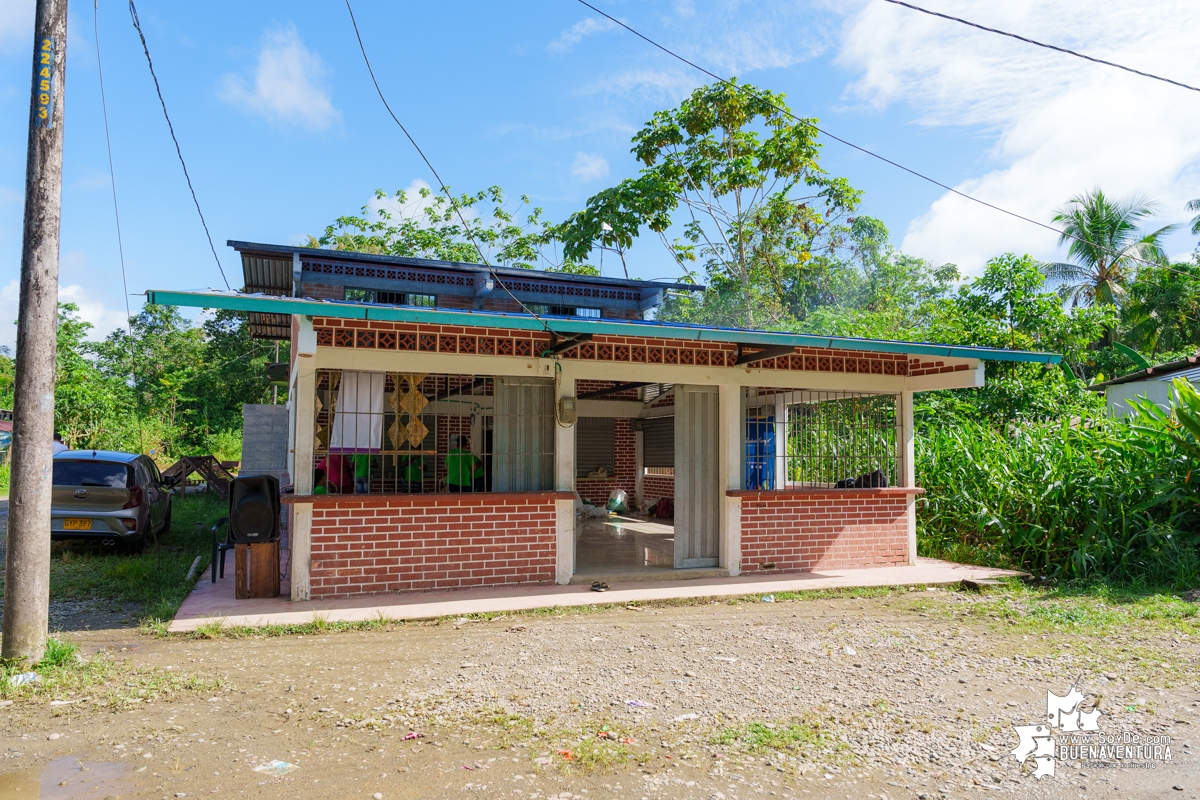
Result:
[{"x": 77, "y": 524}]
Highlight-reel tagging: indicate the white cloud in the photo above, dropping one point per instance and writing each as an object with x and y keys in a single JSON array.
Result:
[
  {"x": 1061, "y": 126},
  {"x": 16, "y": 25},
  {"x": 655, "y": 84},
  {"x": 589, "y": 26},
  {"x": 105, "y": 320},
  {"x": 287, "y": 85},
  {"x": 91, "y": 309},
  {"x": 589, "y": 166}
]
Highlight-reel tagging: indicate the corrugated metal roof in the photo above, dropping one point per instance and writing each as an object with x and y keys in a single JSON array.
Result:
[
  {"x": 1183, "y": 368},
  {"x": 568, "y": 325},
  {"x": 267, "y": 275},
  {"x": 270, "y": 326}
]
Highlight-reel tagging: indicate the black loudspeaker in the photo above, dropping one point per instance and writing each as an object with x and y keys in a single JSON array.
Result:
[{"x": 254, "y": 509}]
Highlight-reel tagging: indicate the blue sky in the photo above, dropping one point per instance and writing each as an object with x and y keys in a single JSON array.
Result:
[{"x": 282, "y": 130}]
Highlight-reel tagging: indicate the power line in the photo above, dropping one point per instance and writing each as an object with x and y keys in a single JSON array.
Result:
[
  {"x": 1062, "y": 234},
  {"x": 112, "y": 175},
  {"x": 138, "y": 26},
  {"x": 441, "y": 183},
  {"x": 1043, "y": 44}
]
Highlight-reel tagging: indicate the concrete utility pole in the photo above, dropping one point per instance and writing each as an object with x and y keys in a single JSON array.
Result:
[{"x": 27, "y": 568}]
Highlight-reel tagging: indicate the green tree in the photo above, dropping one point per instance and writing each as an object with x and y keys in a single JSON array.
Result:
[
  {"x": 434, "y": 226},
  {"x": 1105, "y": 246},
  {"x": 1010, "y": 307},
  {"x": 740, "y": 176},
  {"x": 91, "y": 409},
  {"x": 1161, "y": 314},
  {"x": 879, "y": 292}
]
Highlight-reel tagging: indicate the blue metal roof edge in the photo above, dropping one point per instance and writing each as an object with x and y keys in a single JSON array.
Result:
[{"x": 495, "y": 319}]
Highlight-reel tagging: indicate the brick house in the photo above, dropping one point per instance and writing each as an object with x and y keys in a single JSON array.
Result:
[{"x": 457, "y": 414}]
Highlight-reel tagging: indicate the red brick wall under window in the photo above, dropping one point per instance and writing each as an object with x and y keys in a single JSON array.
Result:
[
  {"x": 801, "y": 531},
  {"x": 324, "y": 291},
  {"x": 659, "y": 486},
  {"x": 596, "y": 490},
  {"x": 447, "y": 541}
]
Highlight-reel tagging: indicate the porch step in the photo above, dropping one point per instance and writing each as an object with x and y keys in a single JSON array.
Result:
[{"x": 634, "y": 575}]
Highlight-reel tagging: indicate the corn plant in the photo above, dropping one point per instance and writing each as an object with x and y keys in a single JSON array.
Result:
[{"x": 1107, "y": 499}]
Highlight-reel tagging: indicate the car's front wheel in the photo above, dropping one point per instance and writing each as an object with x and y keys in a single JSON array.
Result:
[{"x": 166, "y": 526}]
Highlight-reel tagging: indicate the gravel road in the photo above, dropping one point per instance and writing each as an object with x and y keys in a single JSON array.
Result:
[{"x": 907, "y": 695}]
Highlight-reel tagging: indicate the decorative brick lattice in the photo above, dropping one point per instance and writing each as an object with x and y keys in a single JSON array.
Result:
[{"x": 608, "y": 349}]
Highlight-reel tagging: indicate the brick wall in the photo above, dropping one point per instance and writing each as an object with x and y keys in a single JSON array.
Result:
[
  {"x": 801, "y": 531},
  {"x": 324, "y": 291},
  {"x": 454, "y": 301},
  {"x": 596, "y": 490},
  {"x": 659, "y": 486},
  {"x": 448, "y": 541}
]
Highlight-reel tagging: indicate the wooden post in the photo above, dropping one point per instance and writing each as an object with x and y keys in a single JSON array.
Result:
[{"x": 27, "y": 573}]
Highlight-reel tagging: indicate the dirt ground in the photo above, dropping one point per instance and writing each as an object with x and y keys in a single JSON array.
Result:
[{"x": 907, "y": 695}]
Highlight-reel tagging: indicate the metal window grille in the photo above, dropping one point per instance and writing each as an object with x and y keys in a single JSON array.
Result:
[
  {"x": 408, "y": 433},
  {"x": 802, "y": 439},
  {"x": 385, "y": 298}
]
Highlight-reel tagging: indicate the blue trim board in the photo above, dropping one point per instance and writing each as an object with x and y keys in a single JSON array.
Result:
[{"x": 267, "y": 304}]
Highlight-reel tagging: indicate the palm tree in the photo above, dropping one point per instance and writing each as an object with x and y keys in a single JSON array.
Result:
[
  {"x": 1105, "y": 247},
  {"x": 1194, "y": 205}
]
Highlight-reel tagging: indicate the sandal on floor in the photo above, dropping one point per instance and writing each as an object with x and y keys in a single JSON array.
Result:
[{"x": 598, "y": 586}]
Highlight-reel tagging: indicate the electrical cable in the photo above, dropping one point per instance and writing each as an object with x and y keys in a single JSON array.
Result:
[
  {"x": 1043, "y": 44},
  {"x": 446, "y": 191},
  {"x": 112, "y": 177},
  {"x": 138, "y": 26},
  {"x": 1062, "y": 234}
]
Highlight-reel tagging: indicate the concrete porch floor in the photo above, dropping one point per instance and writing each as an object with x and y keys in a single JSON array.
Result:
[{"x": 211, "y": 602}]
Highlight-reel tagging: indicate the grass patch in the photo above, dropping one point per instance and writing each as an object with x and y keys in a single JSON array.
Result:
[
  {"x": 101, "y": 681},
  {"x": 790, "y": 737},
  {"x": 155, "y": 579},
  {"x": 1094, "y": 608},
  {"x": 596, "y": 753}
]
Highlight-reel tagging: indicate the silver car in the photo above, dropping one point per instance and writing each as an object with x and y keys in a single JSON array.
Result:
[{"x": 110, "y": 497}]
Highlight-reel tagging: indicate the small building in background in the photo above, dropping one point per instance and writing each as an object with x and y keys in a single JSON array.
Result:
[{"x": 1153, "y": 384}]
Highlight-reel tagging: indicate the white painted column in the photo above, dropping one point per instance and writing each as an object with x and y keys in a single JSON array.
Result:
[
  {"x": 732, "y": 423},
  {"x": 906, "y": 468},
  {"x": 303, "y": 434},
  {"x": 564, "y": 481}
]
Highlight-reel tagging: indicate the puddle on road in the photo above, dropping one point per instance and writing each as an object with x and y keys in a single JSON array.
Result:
[{"x": 67, "y": 778}]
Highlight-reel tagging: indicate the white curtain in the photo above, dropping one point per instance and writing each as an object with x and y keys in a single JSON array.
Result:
[
  {"x": 523, "y": 435},
  {"x": 358, "y": 418}
]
